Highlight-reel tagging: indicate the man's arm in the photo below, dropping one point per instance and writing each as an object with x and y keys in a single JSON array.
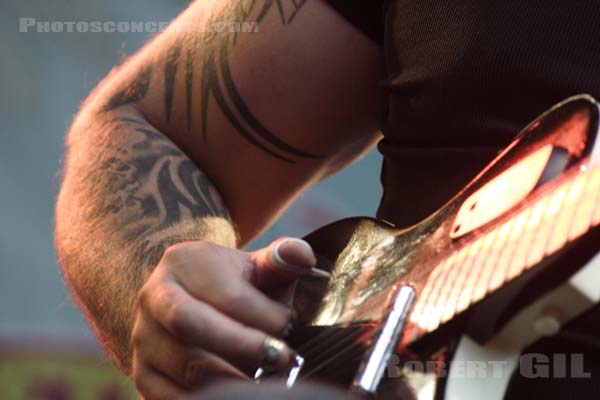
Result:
[
  {"x": 263, "y": 114},
  {"x": 128, "y": 194}
]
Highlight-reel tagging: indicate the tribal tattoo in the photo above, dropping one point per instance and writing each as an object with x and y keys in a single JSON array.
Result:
[
  {"x": 216, "y": 80},
  {"x": 153, "y": 186}
]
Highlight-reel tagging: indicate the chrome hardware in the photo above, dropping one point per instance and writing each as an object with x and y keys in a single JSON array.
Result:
[
  {"x": 384, "y": 343},
  {"x": 291, "y": 374}
]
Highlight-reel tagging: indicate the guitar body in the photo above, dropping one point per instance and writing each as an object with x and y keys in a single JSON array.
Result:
[{"x": 509, "y": 260}]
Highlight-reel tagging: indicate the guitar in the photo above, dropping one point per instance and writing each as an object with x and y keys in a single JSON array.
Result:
[{"x": 509, "y": 260}]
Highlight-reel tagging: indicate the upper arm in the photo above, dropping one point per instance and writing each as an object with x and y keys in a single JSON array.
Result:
[{"x": 263, "y": 113}]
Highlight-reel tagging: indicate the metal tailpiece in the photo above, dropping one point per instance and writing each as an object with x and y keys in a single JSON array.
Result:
[{"x": 384, "y": 343}]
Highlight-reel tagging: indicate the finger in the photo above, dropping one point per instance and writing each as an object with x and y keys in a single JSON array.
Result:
[
  {"x": 200, "y": 325},
  {"x": 220, "y": 277},
  {"x": 238, "y": 299},
  {"x": 187, "y": 366},
  {"x": 283, "y": 262}
]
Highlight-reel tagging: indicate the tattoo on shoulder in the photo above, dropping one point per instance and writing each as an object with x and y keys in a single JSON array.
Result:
[{"x": 216, "y": 81}]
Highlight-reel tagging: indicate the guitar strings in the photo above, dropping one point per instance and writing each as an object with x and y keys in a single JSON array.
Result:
[
  {"x": 330, "y": 331},
  {"x": 348, "y": 351},
  {"x": 334, "y": 335},
  {"x": 341, "y": 344}
]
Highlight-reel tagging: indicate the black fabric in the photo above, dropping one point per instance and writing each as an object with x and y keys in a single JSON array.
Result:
[
  {"x": 366, "y": 15},
  {"x": 470, "y": 74}
]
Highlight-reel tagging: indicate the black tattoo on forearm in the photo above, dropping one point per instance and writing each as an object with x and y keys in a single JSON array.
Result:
[
  {"x": 216, "y": 81},
  {"x": 151, "y": 185}
]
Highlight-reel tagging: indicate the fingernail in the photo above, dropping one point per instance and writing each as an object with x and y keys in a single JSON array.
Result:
[
  {"x": 278, "y": 258},
  {"x": 279, "y": 262}
]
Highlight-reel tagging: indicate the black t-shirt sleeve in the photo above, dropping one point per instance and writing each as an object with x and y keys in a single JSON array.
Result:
[{"x": 366, "y": 15}]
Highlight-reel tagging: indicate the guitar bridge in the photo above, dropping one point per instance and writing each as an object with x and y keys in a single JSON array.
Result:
[{"x": 384, "y": 342}]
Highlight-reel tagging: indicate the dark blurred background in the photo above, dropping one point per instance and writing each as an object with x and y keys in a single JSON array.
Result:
[{"x": 46, "y": 349}]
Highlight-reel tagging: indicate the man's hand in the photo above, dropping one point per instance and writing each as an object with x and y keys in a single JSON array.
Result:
[{"x": 201, "y": 314}]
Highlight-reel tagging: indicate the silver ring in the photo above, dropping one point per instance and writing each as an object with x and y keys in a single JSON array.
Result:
[{"x": 273, "y": 353}]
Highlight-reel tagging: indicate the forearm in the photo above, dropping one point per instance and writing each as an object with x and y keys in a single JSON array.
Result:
[{"x": 128, "y": 193}]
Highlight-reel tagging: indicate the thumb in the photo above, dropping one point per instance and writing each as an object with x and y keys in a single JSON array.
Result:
[{"x": 284, "y": 261}]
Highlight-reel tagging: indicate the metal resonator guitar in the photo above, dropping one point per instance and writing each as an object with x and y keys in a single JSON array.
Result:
[{"x": 510, "y": 259}]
